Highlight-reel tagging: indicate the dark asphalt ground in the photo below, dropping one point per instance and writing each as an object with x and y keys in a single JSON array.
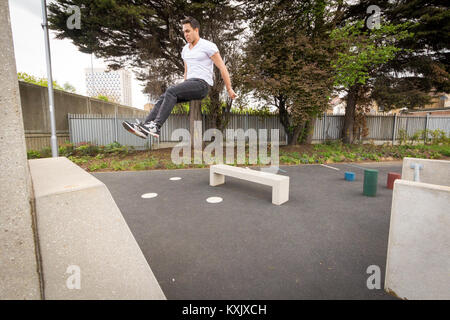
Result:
[{"x": 318, "y": 245}]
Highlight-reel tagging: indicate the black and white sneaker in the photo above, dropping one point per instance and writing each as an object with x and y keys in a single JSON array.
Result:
[
  {"x": 135, "y": 129},
  {"x": 151, "y": 128}
]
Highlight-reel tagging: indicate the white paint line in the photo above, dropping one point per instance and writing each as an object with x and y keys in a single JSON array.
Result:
[
  {"x": 324, "y": 165},
  {"x": 175, "y": 178}
]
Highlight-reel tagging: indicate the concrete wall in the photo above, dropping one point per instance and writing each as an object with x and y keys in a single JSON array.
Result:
[
  {"x": 36, "y": 118},
  {"x": 87, "y": 249},
  {"x": 418, "y": 258},
  {"x": 19, "y": 268},
  {"x": 433, "y": 171}
]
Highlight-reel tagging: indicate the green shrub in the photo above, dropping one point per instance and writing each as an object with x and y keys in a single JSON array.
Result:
[
  {"x": 33, "y": 154},
  {"x": 295, "y": 155},
  {"x": 416, "y": 136},
  {"x": 402, "y": 136},
  {"x": 287, "y": 159},
  {"x": 338, "y": 158},
  {"x": 67, "y": 149},
  {"x": 351, "y": 156},
  {"x": 94, "y": 166},
  {"x": 86, "y": 149},
  {"x": 46, "y": 152},
  {"x": 120, "y": 165},
  {"x": 146, "y": 164},
  {"x": 439, "y": 136},
  {"x": 116, "y": 148},
  {"x": 77, "y": 160}
]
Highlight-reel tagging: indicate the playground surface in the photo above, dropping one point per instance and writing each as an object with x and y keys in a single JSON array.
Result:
[{"x": 318, "y": 245}]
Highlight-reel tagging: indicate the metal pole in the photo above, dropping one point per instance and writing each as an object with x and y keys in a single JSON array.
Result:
[
  {"x": 395, "y": 128},
  {"x": 115, "y": 123},
  {"x": 53, "y": 140}
]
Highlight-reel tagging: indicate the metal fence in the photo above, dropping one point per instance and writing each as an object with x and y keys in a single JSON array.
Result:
[
  {"x": 380, "y": 127},
  {"x": 105, "y": 129}
]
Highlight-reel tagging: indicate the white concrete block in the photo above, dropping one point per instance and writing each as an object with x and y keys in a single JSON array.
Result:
[
  {"x": 418, "y": 258},
  {"x": 280, "y": 192},
  {"x": 433, "y": 171},
  {"x": 216, "y": 179}
]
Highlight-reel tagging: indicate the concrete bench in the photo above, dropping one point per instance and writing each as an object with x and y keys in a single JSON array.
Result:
[{"x": 279, "y": 184}]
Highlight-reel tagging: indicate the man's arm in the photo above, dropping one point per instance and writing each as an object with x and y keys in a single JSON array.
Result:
[
  {"x": 217, "y": 59},
  {"x": 185, "y": 70}
]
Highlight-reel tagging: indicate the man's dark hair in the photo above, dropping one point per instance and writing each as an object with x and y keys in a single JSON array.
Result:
[{"x": 192, "y": 21}]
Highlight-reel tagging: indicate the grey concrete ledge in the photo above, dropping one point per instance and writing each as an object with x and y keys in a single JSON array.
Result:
[{"x": 87, "y": 249}]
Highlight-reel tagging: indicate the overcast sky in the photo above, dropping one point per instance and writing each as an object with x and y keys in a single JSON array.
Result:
[{"x": 67, "y": 62}]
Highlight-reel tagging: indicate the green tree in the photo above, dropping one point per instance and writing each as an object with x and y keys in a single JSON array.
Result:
[
  {"x": 423, "y": 65},
  {"x": 360, "y": 52},
  {"x": 419, "y": 64},
  {"x": 288, "y": 60}
]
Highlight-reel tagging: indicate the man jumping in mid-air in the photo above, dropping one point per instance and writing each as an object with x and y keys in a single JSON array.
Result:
[{"x": 198, "y": 55}]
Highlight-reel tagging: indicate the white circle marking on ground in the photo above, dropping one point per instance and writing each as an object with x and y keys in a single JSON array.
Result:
[
  {"x": 149, "y": 195},
  {"x": 214, "y": 199},
  {"x": 175, "y": 178}
]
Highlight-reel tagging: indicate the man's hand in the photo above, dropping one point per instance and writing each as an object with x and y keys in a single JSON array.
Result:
[{"x": 232, "y": 94}]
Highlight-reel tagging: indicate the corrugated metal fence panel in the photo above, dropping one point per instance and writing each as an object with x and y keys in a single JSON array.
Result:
[
  {"x": 127, "y": 139},
  {"x": 442, "y": 123},
  {"x": 245, "y": 122},
  {"x": 105, "y": 129},
  {"x": 333, "y": 127},
  {"x": 174, "y": 121},
  {"x": 318, "y": 128},
  {"x": 410, "y": 124},
  {"x": 96, "y": 129},
  {"x": 379, "y": 127}
]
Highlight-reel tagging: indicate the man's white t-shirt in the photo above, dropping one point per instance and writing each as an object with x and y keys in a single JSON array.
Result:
[{"x": 198, "y": 60}]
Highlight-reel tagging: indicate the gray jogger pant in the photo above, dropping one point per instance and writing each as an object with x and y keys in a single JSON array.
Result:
[{"x": 190, "y": 89}]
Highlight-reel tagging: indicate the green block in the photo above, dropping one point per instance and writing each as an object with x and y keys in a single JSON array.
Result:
[{"x": 370, "y": 182}]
